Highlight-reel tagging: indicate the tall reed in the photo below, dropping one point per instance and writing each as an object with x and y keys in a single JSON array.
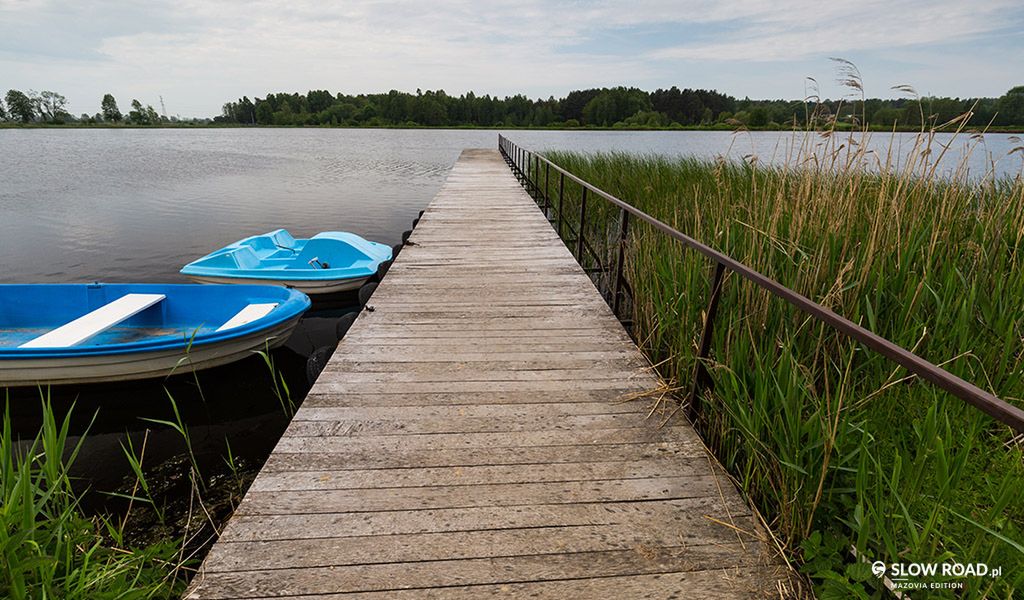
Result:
[
  {"x": 845, "y": 453},
  {"x": 48, "y": 547}
]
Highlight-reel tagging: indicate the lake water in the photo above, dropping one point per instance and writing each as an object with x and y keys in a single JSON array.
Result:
[{"x": 125, "y": 205}]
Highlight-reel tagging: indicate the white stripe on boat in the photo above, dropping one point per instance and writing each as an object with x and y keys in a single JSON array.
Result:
[
  {"x": 95, "y": 322},
  {"x": 248, "y": 315},
  {"x": 306, "y": 286}
]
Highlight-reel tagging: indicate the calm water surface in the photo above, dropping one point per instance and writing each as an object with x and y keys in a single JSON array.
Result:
[{"x": 80, "y": 205}]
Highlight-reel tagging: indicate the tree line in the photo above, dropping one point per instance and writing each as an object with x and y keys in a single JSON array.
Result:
[
  {"x": 597, "y": 107},
  {"x": 611, "y": 107},
  {"x": 52, "y": 107}
]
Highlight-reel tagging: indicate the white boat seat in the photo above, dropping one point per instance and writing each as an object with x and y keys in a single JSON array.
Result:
[
  {"x": 247, "y": 315},
  {"x": 95, "y": 322}
]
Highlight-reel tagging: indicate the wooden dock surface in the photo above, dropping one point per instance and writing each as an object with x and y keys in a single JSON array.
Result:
[{"x": 479, "y": 434}]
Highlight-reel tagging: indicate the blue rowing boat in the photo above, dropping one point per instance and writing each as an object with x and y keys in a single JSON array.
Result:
[
  {"x": 85, "y": 333},
  {"x": 328, "y": 262}
]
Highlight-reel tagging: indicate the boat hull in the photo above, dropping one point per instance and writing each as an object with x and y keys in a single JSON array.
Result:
[
  {"x": 328, "y": 263},
  {"x": 54, "y": 334},
  {"x": 308, "y": 287},
  {"x": 142, "y": 365}
]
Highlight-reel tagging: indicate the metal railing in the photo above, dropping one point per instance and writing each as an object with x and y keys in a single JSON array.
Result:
[{"x": 528, "y": 167}]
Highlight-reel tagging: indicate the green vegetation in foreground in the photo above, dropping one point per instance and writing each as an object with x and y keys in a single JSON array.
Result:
[
  {"x": 50, "y": 548},
  {"x": 837, "y": 447}
]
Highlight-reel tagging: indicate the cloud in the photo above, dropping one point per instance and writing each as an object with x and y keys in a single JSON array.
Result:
[
  {"x": 836, "y": 28},
  {"x": 199, "y": 54}
]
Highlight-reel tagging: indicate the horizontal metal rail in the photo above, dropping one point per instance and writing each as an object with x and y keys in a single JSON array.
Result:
[{"x": 968, "y": 392}]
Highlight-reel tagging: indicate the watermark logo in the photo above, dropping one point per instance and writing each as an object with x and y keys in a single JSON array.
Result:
[
  {"x": 878, "y": 568},
  {"x": 909, "y": 576}
]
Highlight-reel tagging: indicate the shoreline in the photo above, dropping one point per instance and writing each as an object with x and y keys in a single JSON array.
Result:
[{"x": 727, "y": 128}]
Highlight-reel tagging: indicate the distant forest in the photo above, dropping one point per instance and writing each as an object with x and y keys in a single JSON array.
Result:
[
  {"x": 610, "y": 107},
  {"x": 618, "y": 107}
]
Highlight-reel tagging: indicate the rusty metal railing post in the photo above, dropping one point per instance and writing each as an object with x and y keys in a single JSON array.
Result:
[
  {"x": 547, "y": 189},
  {"x": 533, "y": 175},
  {"x": 527, "y": 160},
  {"x": 701, "y": 378},
  {"x": 536, "y": 179},
  {"x": 561, "y": 202},
  {"x": 530, "y": 188},
  {"x": 536, "y": 175},
  {"x": 579, "y": 232},
  {"x": 623, "y": 232}
]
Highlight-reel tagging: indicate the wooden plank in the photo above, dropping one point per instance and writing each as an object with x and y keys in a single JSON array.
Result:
[
  {"x": 362, "y": 458},
  {"x": 569, "y": 492},
  {"x": 305, "y": 425},
  {"x": 719, "y": 584},
  {"x": 489, "y": 430},
  {"x": 471, "y": 411},
  {"x": 561, "y": 361},
  {"x": 456, "y": 545},
  {"x": 453, "y": 331},
  {"x": 537, "y": 315},
  {"x": 512, "y": 354},
  {"x": 454, "y": 376},
  {"x": 476, "y": 475},
  {"x": 642, "y": 560},
  {"x": 569, "y": 384},
  {"x": 400, "y": 398},
  {"x": 392, "y": 336},
  {"x": 689, "y": 514},
  {"x": 339, "y": 442}
]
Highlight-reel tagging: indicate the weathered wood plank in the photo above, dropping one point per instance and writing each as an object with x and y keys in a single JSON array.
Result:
[
  {"x": 453, "y": 331},
  {"x": 569, "y": 492},
  {"x": 396, "y": 455},
  {"x": 642, "y": 560},
  {"x": 455, "y": 545},
  {"x": 636, "y": 384},
  {"x": 340, "y": 442},
  {"x": 449, "y": 375},
  {"x": 719, "y": 584},
  {"x": 472, "y": 411},
  {"x": 306, "y": 425},
  {"x": 476, "y": 475},
  {"x": 398, "y": 398},
  {"x": 691, "y": 514},
  {"x": 510, "y": 354}
]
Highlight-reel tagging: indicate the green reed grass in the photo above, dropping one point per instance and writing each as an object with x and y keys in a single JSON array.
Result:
[
  {"x": 845, "y": 454},
  {"x": 48, "y": 547}
]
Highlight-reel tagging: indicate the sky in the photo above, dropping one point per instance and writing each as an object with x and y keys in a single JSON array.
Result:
[{"x": 198, "y": 54}]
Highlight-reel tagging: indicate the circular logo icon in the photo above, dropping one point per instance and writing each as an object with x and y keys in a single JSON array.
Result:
[{"x": 878, "y": 568}]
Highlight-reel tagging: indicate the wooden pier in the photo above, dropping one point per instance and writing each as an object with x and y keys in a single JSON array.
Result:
[{"x": 484, "y": 431}]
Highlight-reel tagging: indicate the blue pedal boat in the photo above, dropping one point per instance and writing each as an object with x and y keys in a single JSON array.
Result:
[
  {"x": 88, "y": 333},
  {"x": 328, "y": 262}
]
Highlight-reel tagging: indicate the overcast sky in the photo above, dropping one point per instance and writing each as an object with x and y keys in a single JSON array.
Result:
[{"x": 198, "y": 54}]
